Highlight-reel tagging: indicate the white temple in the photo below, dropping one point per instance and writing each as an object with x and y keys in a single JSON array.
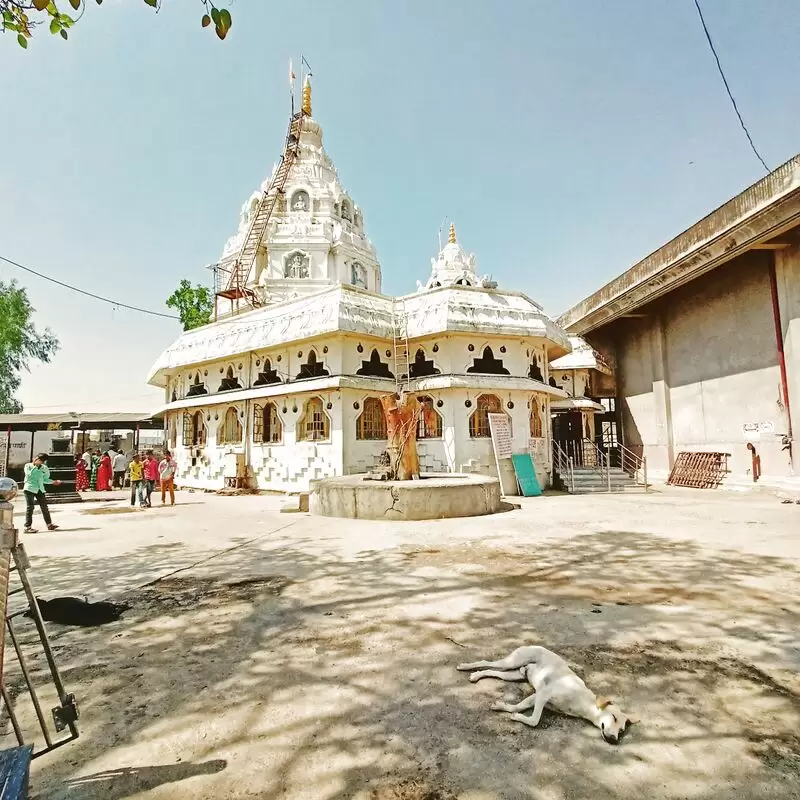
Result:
[{"x": 288, "y": 390}]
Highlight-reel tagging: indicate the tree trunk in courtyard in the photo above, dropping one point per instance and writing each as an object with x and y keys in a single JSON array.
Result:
[{"x": 402, "y": 416}]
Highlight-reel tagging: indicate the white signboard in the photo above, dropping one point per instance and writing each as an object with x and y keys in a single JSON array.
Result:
[
  {"x": 500, "y": 429},
  {"x": 4, "y": 441}
]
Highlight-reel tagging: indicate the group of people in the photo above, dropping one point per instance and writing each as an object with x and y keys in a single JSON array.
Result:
[
  {"x": 100, "y": 472},
  {"x": 145, "y": 474}
]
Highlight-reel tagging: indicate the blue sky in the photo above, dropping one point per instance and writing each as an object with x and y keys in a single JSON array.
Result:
[{"x": 566, "y": 139}]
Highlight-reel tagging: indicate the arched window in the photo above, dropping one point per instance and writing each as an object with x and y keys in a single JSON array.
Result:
[
  {"x": 371, "y": 423},
  {"x": 536, "y": 429},
  {"x": 194, "y": 430},
  {"x": 267, "y": 427},
  {"x": 229, "y": 382},
  {"x": 267, "y": 375},
  {"x": 374, "y": 367},
  {"x": 230, "y": 432},
  {"x": 421, "y": 367},
  {"x": 197, "y": 387},
  {"x": 488, "y": 364},
  {"x": 312, "y": 368},
  {"x": 479, "y": 419},
  {"x": 535, "y": 371},
  {"x": 430, "y": 421},
  {"x": 314, "y": 425},
  {"x": 347, "y": 211},
  {"x": 172, "y": 431}
]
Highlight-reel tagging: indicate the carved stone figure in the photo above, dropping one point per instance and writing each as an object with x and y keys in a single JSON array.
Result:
[
  {"x": 358, "y": 275},
  {"x": 300, "y": 202},
  {"x": 297, "y": 267}
]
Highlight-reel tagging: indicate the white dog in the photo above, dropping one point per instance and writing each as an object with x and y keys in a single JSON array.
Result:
[{"x": 554, "y": 684}]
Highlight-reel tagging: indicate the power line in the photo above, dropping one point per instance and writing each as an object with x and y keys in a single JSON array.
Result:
[
  {"x": 88, "y": 294},
  {"x": 728, "y": 88}
]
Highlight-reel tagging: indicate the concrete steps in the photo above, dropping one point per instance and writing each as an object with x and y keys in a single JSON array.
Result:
[{"x": 589, "y": 481}]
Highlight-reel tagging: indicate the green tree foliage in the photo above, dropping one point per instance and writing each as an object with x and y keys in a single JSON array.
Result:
[
  {"x": 194, "y": 304},
  {"x": 19, "y": 343},
  {"x": 22, "y": 17}
]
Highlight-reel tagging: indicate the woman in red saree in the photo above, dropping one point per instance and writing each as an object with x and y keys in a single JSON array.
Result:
[
  {"x": 104, "y": 474},
  {"x": 81, "y": 478}
]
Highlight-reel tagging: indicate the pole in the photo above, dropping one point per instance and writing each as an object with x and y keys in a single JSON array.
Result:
[{"x": 33, "y": 436}]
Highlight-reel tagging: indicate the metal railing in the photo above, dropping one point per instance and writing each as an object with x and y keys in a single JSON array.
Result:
[
  {"x": 628, "y": 460},
  {"x": 564, "y": 466}
]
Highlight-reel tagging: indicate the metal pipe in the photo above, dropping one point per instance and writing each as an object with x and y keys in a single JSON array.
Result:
[
  {"x": 23, "y": 664},
  {"x": 776, "y": 315},
  {"x": 11, "y": 715},
  {"x": 21, "y": 556}
]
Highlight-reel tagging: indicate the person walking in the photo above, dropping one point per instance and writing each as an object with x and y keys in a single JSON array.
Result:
[
  {"x": 166, "y": 472},
  {"x": 151, "y": 476},
  {"x": 136, "y": 472},
  {"x": 120, "y": 465},
  {"x": 37, "y": 475}
]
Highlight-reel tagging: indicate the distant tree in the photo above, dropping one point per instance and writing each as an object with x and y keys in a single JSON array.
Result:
[
  {"x": 19, "y": 343},
  {"x": 194, "y": 304},
  {"x": 24, "y": 16}
]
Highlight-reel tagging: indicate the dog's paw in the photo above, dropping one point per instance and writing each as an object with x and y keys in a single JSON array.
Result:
[
  {"x": 498, "y": 706},
  {"x": 475, "y": 677}
]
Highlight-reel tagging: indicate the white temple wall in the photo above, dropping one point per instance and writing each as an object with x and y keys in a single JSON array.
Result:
[{"x": 290, "y": 464}]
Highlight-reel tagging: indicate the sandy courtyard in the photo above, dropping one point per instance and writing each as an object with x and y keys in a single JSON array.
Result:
[{"x": 273, "y": 655}]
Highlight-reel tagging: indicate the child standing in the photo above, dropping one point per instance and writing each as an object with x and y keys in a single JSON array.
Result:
[
  {"x": 136, "y": 472},
  {"x": 150, "y": 476}
]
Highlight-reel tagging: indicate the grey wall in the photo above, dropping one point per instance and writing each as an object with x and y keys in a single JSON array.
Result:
[{"x": 702, "y": 362}]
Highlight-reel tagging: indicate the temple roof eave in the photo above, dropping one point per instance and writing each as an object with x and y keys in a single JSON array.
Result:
[{"x": 347, "y": 309}]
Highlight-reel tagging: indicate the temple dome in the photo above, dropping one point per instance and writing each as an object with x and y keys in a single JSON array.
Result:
[{"x": 453, "y": 267}]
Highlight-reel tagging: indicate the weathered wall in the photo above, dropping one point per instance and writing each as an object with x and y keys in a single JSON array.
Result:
[
  {"x": 787, "y": 273},
  {"x": 700, "y": 364}
]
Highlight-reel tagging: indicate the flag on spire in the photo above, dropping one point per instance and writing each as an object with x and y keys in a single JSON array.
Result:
[{"x": 291, "y": 75}]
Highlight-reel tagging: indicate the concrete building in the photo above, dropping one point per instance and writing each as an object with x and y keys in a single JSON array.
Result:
[
  {"x": 284, "y": 386},
  {"x": 703, "y": 336}
]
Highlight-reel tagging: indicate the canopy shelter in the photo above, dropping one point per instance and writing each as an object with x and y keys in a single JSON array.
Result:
[{"x": 79, "y": 424}]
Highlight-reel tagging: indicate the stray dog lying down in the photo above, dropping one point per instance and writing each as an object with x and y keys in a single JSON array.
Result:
[{"x": 554, "y": 684}]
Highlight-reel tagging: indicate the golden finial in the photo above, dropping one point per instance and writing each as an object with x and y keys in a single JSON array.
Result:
[
  {"x": 307, "y": 96},
  {"x": 452, "y": 238}
]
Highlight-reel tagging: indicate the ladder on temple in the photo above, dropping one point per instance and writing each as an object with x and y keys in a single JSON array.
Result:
[
  {"x": 235, "y": 288},
  {"x": 400, "y": 343}
]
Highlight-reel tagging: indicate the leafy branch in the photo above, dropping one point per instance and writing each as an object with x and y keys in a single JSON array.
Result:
[{"x": 22, "y": 17}]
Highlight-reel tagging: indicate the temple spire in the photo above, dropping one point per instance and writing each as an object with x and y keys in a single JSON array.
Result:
[
  {"x": 451, "y": 239},
  {"x": 307, "y": 96}
]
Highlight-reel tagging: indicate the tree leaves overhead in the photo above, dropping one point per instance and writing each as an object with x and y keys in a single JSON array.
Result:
[
  {"x": 193, "y": 304},
  {"x": 15, "y": 18},
  {"x": 20, "y": 343}
]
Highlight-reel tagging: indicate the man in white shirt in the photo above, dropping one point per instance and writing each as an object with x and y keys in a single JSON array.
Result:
[
  {"x": 87, "y": 459},
  {"x": 166, "y": 471},
  {"x": 119, "y": 465}
]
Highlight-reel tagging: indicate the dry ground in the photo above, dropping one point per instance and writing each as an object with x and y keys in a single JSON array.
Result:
[{"x": 283, "y": 656}]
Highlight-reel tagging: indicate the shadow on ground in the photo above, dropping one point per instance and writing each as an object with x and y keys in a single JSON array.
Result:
[{"x": 321, "y": 677}]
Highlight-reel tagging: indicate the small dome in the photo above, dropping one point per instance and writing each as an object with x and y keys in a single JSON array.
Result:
[{"x": 452, "y": 267}]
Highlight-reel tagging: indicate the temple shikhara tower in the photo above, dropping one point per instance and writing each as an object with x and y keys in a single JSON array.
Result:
[{"x": 285, "y": 384}]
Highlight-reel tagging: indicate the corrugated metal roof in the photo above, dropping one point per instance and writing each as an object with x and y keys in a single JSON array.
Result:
[{"x": 89, "y": 421}]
